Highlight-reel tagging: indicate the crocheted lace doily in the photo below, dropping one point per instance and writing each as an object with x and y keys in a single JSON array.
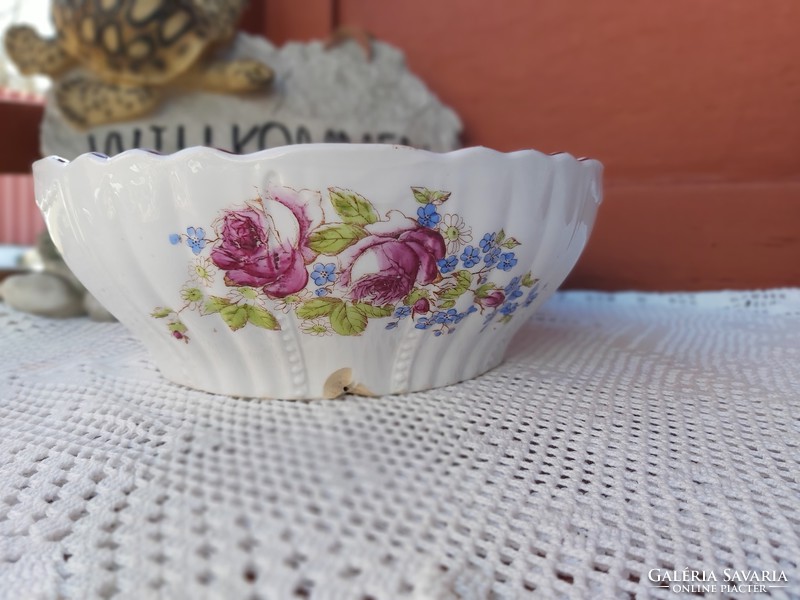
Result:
[{"x": 624, "y": 433}]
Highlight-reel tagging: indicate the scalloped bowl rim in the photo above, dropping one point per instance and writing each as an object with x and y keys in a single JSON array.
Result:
[{"x": 338, "y": 148}]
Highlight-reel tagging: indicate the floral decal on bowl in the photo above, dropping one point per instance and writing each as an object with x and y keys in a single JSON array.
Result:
[{"x": 278, "y": 253}]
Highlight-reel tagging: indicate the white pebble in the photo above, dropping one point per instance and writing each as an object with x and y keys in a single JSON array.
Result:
[
  {"x": 97, "y": 312},
  {"x": 42, "y": 294}
]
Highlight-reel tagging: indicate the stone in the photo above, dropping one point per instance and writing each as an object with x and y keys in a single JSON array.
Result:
[
  {"x": 59, "y": 267},
  {"x": 52, "y": 262},
  {"x": 42, "y": 294},
  {"x": 319, "y": 95},
  {"x": 96, "y": 311}
]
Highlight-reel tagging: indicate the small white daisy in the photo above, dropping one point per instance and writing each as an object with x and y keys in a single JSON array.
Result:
[
  {"x": 286, "y": 304},
  {"x": 192, "y": 296},
  {"x": 316, "y": 327},
  {"x": 455, "y": 232},
  {"x": 202, "y": 271}
]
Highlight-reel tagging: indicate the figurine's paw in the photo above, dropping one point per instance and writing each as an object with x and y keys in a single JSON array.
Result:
[
  {"x": 23, "y": 46},
  {"x": 85, "y": 102},
  {"x": 33, "y": 54},
  {"x": 243, "y": 75},
  {"x": 247, "y": 75}
]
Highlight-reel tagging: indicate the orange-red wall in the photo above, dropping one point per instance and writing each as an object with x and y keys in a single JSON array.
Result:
[
  {"x": 693, "y": 106},
  {"x": 700, "y": 90}
]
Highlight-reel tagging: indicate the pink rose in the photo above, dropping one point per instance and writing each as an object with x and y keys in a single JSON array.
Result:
[
  {"x": 422, "y": 306},
  {"x": 383, "y": 267},
  {"x": 493, "y": 300},
  {"x": 266, "y": 244}
]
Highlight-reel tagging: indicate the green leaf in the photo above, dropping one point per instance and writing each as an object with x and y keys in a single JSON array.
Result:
[
  {"x": 332, "y": 239},
  {"x": 447, "y": 304},
  {"x": 215, "y": 304},
  {"x": 440, "y": 197},
  {"x": 505, "y": 318},
  {"x": 528, "y": 280},
  {"x": 160, "y": 313},
  {"x": 451, "y": 293},
  {"x": 501, "y": 235},
  {"x": 248, "y": 292},
  {"x": 421, "y": 195},
  {"x": 484, "y": 290},
  {"x": 510, "y": 243},
  {"x": 352, "y": 207},
  {"x": 375, "y": 311},
  {"x": 318, "y": 307},
  {"x": 177, "y": 326},
  {"x": 463, "y": 279},
  {"x": 426, "y": 196},
  {"x": 234, "y": 315},
  {"x": 261, "y": 317},
  {"x": 415, "y": 295},
  {"x": 348, "y": 320}
]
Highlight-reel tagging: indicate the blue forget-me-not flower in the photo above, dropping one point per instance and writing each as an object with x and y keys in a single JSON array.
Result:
[
  {"x": 427, "y": 215},
  {"x": 507, "y": 261},
  {"x": 322, "y": 274},
  {"x": 492, "y": 256},
  {"x": 470, "y": 256},
  {"x": 488, "y": 241},
  {"x": 194, "y": 239},
  {"x": 446, "y": 265}
]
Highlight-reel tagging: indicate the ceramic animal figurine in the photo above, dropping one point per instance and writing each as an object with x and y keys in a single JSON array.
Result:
[{"x": 131, "y": 52}]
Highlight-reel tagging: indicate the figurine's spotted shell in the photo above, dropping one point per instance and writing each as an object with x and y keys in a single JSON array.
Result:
[
  {"x": 128, "y": 49},
  {"x": 148, "y": 42}
]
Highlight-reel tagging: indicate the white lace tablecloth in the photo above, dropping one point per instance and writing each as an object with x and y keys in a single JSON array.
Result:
[{"x": 624, "y": 434}]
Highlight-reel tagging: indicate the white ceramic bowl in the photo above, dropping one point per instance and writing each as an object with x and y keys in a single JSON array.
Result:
[{"x": 307, "y": 271}]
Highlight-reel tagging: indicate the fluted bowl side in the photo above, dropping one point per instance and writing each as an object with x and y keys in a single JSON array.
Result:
[{"x": 307, "y": 271}]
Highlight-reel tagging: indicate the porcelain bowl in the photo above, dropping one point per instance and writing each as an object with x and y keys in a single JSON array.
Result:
[{"x": 313, "y": 270}]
